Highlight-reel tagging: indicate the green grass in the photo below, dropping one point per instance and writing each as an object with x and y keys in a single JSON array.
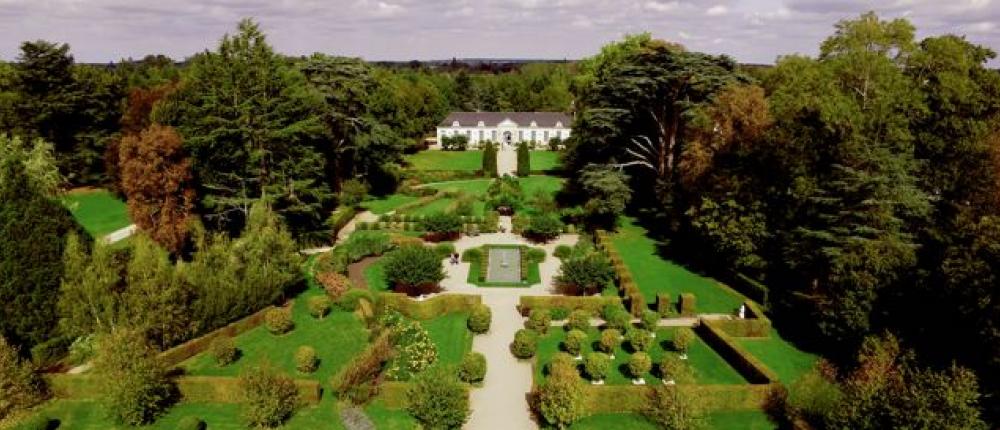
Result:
[
  {"x": 477, "y": 187},
  {"x": 452, "y": 337},
  {"x": 614, "y": 421},
  {"x": 446, "y": 160},
  {"x": 708, "y": 366},
  {"x": 544, "y": 160},
  {"x": 90, "y": 415},
  {"x": 739, "y": 420},
  {"x": 375, "y": 276},
  {"x": 781, "y": 356},
  {"x": 98, "y": 211},
  {"x": 389, "y": 419},
  {"x": 336, "y": 338},
  {"x": 654, "y": 274},
  {"x": 388, "y": 203}
]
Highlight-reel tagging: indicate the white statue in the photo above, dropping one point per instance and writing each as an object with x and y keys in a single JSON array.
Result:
[{"x": 743, "y": 311}]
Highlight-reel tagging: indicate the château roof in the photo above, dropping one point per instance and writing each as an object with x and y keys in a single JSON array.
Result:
[{"x": 491, "y": 119}]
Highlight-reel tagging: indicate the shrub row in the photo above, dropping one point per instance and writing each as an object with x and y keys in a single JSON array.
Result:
[
  {"x": 750, "y": 287},
  {"x": 423, "y": 201},
  {"x": 467, "y": 228},
  {"x": 745, "y": 363},
  {"x": 363, "y": 367},
  {"x": 186, "y": 350},
  {"x": 632, "y": 398},
  {"x": 431, "y": 308},
  {"x": 592, "y": 304},
  {"x": 214, "y": 389},
  {"x": 398, "y": 218},
  {"x": 627, "y": 286},
  {"x": 428, "y": 176}
]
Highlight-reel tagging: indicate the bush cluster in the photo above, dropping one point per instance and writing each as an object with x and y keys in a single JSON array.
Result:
[
  {"x": 543, "y": 228},
  {"x": 639, "y": 364},
  {"x": 269, "y": 398},
  {"x": 415, "y": 351},
  {"x": 224, "y": 351},
  {"x": 438, "y": 400},
  {"x": 574, "y": 341},
  {"x": 279, "y": 320},
  {"x": 480, "y": 319},
  {"x": 305, "y": 359},
  {"x": 539, "y": 321},
  {"x": 639, "y": 339},
  {"x": 597, "y": 365},
  {"x": 562, "y": 251},
  {"x": 586, "y": 274},
  {"x": 525, "y": 343},
  {"x": 578, "y": 320},
  {"x": 473, "y": 368},
  {"x": 335, "y": 284},
  {"x": 413, "y": 269},
  {"x": 610, "y": 340},
  {"x": 319, "y": 306}
]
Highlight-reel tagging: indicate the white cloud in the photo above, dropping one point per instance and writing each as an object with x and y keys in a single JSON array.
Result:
[
  {"x": 387, "y": 9},
  {"x": 717, "y": 10},
  {"x": 659, "y": 6}
]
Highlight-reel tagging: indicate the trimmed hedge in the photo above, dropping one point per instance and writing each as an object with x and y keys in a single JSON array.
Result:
[
  {"x": 431, "y": 308},
  {"x": 756, "y": 324},
  {"x": 750, "y": 287},
  {"x": 429, "y": 176},
  {"x": 688, "y": 304},
  {"x": 214, "y": 389},
  {"x": 663, "y": 304},
  {"x": 602, "y": 399},
  {"x": 592, "y": 304},
  {"x": 627, "y": 287},
  {"x": 193, "y": 347},
  {"x": 742, "y": 360}
]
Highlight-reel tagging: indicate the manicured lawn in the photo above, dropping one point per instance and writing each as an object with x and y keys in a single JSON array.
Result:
[
  {"x": 388, "y": 203},
  {"x": 89, "y": 415},
  {"x": 336, "y": 338},
  {"x": 781, "y": 356},
  {"x": 708, "y": 366},
  {"x": 446, "y": 160},
  {"x": 389, "y": 419},
  {"x": 532, "y": 184},
  {"x": 98, "y": 211},
  {"x": 375, "y": 276},
  {"x": 614, "y": 421},
  {"x": 452, "y": 337},
  {"x": 654, "y": 274},
  {"x": 544, "y": 160},
  {"x": 739, "y": 420}
]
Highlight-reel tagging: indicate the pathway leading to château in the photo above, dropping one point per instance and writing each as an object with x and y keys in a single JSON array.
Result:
[{"x": 507, "y": 160}]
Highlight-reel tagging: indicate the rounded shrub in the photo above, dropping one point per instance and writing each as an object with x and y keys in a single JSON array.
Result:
[
  {"x": 675, "y": 369},
  {"x": 543, "y": 228},
  {"x": 441, "y": 226},
  {"x": 472, "y": 254},
  {"x": 525, "y": 343},
  {"x": 269, "y": 397},
  {"x": 305, "y": 359},
  {"x": 610, "y": 339},
  {"x": 279, "y": 321},
  {"x": 561, "y": 360},
  {"x": 335, "y": 284},
  {"x": 319, "y": 306},
  {"x": 619, "y": 320},
  {"x": 597, "y": 364},
  {"x": 224, "y": 350},
  {"x": 639, "y": 364},
  {"x": 649, "y": 320},
  {"x": 349, "y": 300},
  {"x": 539, "y": 320},
  {"x": 587, "y": 274},
  {"x": 480, "y": 319},
  {"x": 413, "y": 269},
  {"x": 438, "y": 399},
  {"x": 683, "y": 339},
  {"x": 473, "y": 368},
  {"x": 191, "y": 423},
  {"x": 574, "y": 341},
  {"x": 639, "y": 339},
  {"x": 536, "y": 255},
  {"x": 563, "y": 251},
  {"x": 578, "y": 320}
]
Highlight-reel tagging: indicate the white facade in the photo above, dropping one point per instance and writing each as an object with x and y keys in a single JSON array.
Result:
[{"x": 505, "y": 131}]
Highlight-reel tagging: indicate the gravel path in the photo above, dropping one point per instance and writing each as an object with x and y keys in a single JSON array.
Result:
[{"x": 507, "y": 161}]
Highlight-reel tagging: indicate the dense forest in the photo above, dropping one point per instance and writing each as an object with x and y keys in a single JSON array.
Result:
[{"x": 858, "y": 188}]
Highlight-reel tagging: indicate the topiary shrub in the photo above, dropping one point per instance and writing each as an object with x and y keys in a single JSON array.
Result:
[
  {"x": 683, "y": 339},
  {"x": 191, "y": 423},
  {"x": 305, "y": 359},
  {"x": 539, "y": 320},
  {"x": 472, "y": 255},
  {"x": 578, "y": 320},
  {"x": 335, "y": 284},
  {"x": 574, "y": 342},
  {"x": 543, "y": 228},
  {"x": 413, "y": 270},
  {"x": 639, "y": 339},
  {"x": 561, "y": 399},
  {"x": 278, "y": 321},
  {"x": 480, "y": 319},
  {"x": 319, "y": 306},
  {"x": 663, "y": 305},
  {"x": 473, "y": 368},
  {"x": 349, "y": 301},
  {"x": 597, "y": 364},
  {"x": 536, "y": 255},
  {"x": 444, "y": 250},
  {"x": 639, "y": 364},
  {"x": 619, "y": 320},
  {"x": 610, "y": 340},
  {"x": 438, "y": 400},
  {"x": 224, "y": 351},
  {"x": 563, "y": 251},
  {"x": 268, "y": 397},
  {"x": 525, "y": 343},
  {"x": 649, "y": 320}
]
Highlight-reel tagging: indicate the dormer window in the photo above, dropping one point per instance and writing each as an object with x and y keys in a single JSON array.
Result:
[
  {"x": 559, "y": 124},
  {"x": 482, "y": 124},
  {"x": 455, "y": 124},
  {"x": 534, "y": 124}
]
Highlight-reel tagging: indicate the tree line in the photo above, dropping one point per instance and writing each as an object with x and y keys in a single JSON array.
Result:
[{"x": 859, "y": 186}]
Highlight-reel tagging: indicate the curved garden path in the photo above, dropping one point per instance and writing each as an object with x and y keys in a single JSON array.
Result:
[{"x": 502, "y": 401}]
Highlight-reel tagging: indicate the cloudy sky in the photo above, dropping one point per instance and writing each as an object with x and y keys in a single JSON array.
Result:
[{"x": 754, "y": 31}]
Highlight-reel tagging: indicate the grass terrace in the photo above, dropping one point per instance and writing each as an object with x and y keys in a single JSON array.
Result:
[
  {"x": 544, "y": 160},
  {"x": 388, "y": 203},
  {"x": 655, "y": 274},
  {"x": 781, "y": 356},
  {"x": 739, "y": 420},
  {"x": 446, "y": 160},
  {"x": 98, "y": 211},
  {"x": 708, "y": 366},
  {"x": 452, "y": 337}
]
